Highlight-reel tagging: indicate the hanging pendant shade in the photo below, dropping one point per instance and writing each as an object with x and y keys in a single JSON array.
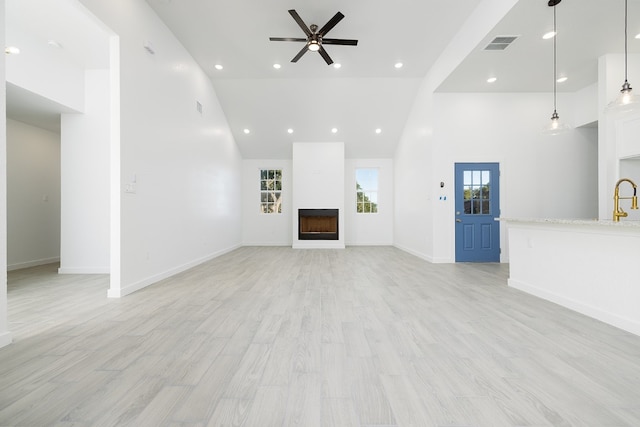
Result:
[
  {"x": 627, "y": 100},
  {"x": 555, "y": 126}
]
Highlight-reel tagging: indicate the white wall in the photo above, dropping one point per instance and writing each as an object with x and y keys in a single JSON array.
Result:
[
  {"x": 85, "y": 140},
  {"x": 184, "y": 167},
  {"x": 413, "y": 214},
  {"x": 542, "y": 176},
  {"x": 5, "y": 335},
  {"x": 260, "y": 229},
  {"x": 585, "y": 106},
  {"x": 33, "y": 196},
  {"x": 369, "y": 229},
  {"x": 318, "y": 183}
]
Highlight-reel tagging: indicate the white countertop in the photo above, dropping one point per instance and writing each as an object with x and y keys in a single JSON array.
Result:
[{"x": 590, "y": 222}]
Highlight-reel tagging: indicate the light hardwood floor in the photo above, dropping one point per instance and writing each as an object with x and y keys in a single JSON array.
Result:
[{"x": 281, "y": 337}]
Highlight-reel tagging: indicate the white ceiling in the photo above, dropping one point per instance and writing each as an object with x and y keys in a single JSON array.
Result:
[
  {"x": 30, "y": 25},
  {"x": 368, "y": 92}
]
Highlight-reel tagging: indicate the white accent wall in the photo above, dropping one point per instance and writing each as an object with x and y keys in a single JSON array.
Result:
[
  {"x": 369, "y": 229},
  {"x": 318, "y": 183},
  {"x": 180, "y": 170},
  {"x": 33, "y": 196},
  {"x": 260, "y": 229}
]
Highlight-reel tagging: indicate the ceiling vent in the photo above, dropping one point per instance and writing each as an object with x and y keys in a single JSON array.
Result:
[{"x": 500, "y": 42}]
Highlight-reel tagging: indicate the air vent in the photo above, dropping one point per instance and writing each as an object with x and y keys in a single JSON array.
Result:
[{"x": 500, "y": 42}]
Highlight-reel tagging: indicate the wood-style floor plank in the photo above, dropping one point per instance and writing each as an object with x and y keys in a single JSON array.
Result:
[{"x": 365, "y": 336}]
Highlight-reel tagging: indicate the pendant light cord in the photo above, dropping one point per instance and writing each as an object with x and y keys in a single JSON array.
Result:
[
  {"x": 554, "y": 58},
  {"x": 625, "y": 40}
]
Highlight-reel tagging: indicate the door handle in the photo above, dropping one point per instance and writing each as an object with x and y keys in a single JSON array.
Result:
[{"x": 458, "y": 220}]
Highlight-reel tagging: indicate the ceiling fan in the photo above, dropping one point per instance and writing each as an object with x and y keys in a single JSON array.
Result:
[{"x": 315, "y": 38}]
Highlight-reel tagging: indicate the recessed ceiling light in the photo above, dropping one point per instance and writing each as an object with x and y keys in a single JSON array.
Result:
[
  {"x": 398, "y": 65},
  {"x": 562, "y": 79},
  {"x": 277, "y": 66},
  {"x": 334, "y": 130},
  {"x": 336, "y": 65},
  {"x": 378, "y": 131},
  {"x": 492, "y": 79},
  {"x": 247, "y": 131},
  {"x": 638, "y": 36},
  {"x": 549, "y": 35},
  {"x": 11, "y": 50},
  {"x": 219, "y": 67},
  {"x": 290, "y": 130}
]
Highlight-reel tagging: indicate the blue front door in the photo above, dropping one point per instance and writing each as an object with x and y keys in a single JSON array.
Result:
[{"x": 477, "y": 206}]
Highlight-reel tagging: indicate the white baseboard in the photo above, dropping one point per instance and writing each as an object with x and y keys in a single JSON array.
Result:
[
  {"x": 368, "y": 243},
  {"x": 6, "y": 338},
  {"x": 324, "y": 245},
  {"x": 588, "y": 310},
  {"x": 126, "y": 290},
  {"x": 414, "y": 253},
  {"x": 34, "y": 263},
  {"x": 266, "y": 244},
  {"x": 84, "y": 270}
]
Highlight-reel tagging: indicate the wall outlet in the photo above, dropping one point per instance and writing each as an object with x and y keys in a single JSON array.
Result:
[{"x": 130, "y": 188}]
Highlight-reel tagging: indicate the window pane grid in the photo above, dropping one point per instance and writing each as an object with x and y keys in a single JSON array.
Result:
[
  {"x": 477, "y": 192},
  {"x": 271, "y": 191},
  {"x": 367, "y": 190}
]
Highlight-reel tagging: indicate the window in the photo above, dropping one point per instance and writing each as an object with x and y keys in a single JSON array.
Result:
[
  {"x": 367, "y": 190},
  {"x": 270, "y": 191},
  {"x": 477, "y": 192}
]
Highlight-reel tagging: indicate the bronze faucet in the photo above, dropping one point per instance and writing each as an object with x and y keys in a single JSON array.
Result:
[{"x": 617, "y": 210}]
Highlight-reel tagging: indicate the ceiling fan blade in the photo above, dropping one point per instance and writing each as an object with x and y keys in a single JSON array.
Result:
[
  {"x": 299, "y": 55},
  {"x": 300, "y": 22},
  {"x": 287, "y": 39},
  {"x": 325, "y": 56},
  {"x": 345, "y": 42},
  {"x": 332, "y": 23}
]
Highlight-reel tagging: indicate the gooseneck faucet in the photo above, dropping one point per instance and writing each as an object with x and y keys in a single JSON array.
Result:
[{"x": 617, "y": 210}]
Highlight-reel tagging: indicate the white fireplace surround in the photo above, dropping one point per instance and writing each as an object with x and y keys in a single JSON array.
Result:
[{"x": 318, "y": 183}]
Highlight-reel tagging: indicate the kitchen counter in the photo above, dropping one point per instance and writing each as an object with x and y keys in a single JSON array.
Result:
[{"x": 589, "y": 266}]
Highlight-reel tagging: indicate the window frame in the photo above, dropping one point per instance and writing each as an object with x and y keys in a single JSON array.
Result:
[
  {"x": 367, "y": 193},
  {"x": 268, "y": 192}
]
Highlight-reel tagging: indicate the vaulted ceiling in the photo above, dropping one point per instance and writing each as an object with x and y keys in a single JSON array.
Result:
[{"x": 368, "y": 92}]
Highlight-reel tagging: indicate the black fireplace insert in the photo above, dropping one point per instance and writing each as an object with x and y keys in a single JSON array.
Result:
[{"x": 318, "y": 224}]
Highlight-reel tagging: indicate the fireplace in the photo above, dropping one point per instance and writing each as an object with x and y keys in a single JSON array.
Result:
[{"x": 317, "y": 224}]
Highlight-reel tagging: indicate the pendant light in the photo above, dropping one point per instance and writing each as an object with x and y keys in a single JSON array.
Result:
[
  {"x": 555, "y": 126},
  {"x": 627, "y": 100}
]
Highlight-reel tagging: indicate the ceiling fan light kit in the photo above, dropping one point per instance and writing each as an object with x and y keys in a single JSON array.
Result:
[{"x": 315, "y": 38}]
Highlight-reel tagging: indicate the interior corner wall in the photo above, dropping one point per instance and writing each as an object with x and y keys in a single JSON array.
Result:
[
  {"x": 33, "y": 196},
  {"x": 414, "y": 161},
  {"x": 181, "y": 170},
  {"x": 260, "y": 229},
  {"x": 5, "y": 335},
  {"x": 369, "y": 229},
  {"x": 85, "y": 146},
  {"x": 413, "y": 171}
]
